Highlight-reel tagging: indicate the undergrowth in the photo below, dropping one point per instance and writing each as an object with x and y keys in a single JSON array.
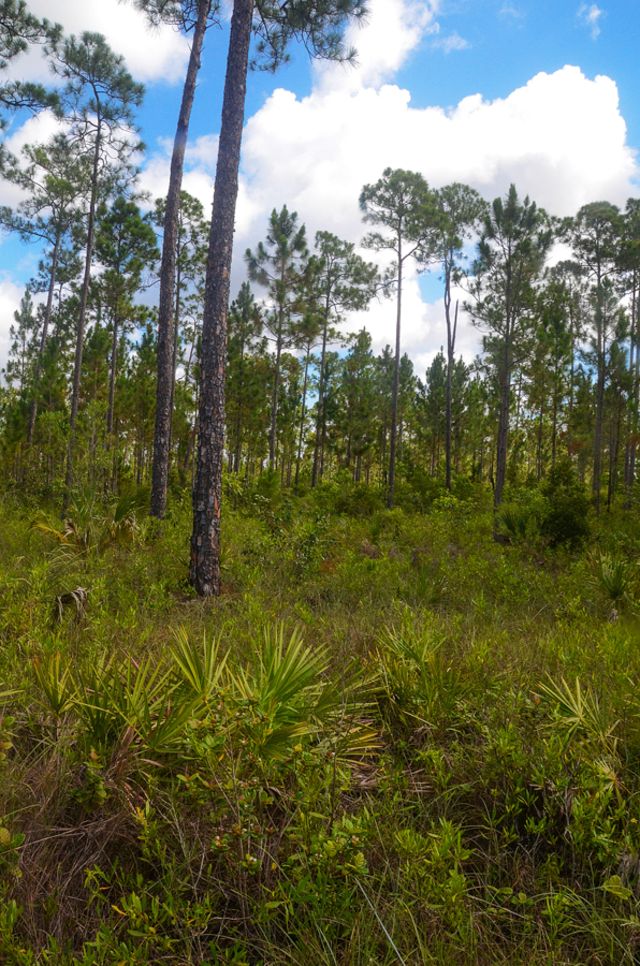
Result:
[{"x": 392, "y": 739}]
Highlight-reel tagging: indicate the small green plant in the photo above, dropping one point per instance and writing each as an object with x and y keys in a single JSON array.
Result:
[
  {"x": 614, "y": 575},
  {"x": 579, "y": 712},
  {"x": 516, "y": 522}
]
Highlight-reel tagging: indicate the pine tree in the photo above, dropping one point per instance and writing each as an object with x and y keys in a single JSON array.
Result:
[
  {"x": 511, "y": 253},
  {"x": 460, "y": 210},
  {"x": 55, "y": 179},
  {"x": 192, "y": 17},
  {"x": 595, "y": 235},
  {"x": 400, "y": 202},
  {"x": 343, "y": 282},
  {"x": 101, "y": 96},
  {"x": 278, "y": 264}
]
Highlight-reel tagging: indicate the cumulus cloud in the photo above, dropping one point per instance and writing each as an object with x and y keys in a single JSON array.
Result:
[
  {"x": 391, "y": 31},
  {"x": 152, "y": 54},
  {"x": 590, "y": 15},
  {"x": 561, "y": 138}
]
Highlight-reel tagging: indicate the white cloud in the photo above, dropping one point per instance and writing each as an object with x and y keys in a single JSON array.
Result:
[
  {"x": 392, "y": 30},
  {"x": 561, "y": 138},
  {"x": 511, "y": 12},
  {"x": 10, "y": 295},
  {"x": 199, "y": 172},
  {"x": 152, "y": 54},
  {"x": 452, "y": 42},
  {"x": 589, "y": 15}
]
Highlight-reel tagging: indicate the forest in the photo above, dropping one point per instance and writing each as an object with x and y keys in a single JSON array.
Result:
[{"x": 307, "y": 655}]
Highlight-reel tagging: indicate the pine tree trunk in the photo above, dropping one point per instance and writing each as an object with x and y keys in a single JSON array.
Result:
[
  {"x": 600, "y": 386},
  {"x": 451, "y": 343},
  {"x": 82, "y": 315},
  {"x": 43, "y": 338},
  {"x": 302, "y": 417},
  {"x": 503, "y": 422},
  {"x": 112, "y": 379},
  {"x": 207, "y": 489},
  {"x": 238, "y": 428},
  {"x": 273, "y": 431},
  {"x": 166, "y": 327},
  {"x": 396, "y": 386},
  {"x": 318, "y": 449}
]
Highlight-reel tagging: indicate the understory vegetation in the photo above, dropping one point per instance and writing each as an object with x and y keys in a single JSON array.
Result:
[{"x": 391, "y": 739}]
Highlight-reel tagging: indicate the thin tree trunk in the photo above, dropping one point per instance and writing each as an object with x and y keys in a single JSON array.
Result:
[
  {"x": 207, "y": 489},
  {"x": 396, "y": 385},
  {"x": 112, "y": 378},
  {"x": 634, "y": 362},
  {"x": 600, "y": 386},
  {"x": 82, "y": 314},
  {"x": 273, "y": 431},
  {"x": 503, "y": 421},
  {"x": 174, "y": 358},
  {"x": 302, "y": 417},
  {"x": 539, "y": 443},
  {"x": 238, "y": 427},
  {"x": 614, "y": 449},
  {"x": 43, "y": 338},
  {"x": 451, "y": 344},
  {"x": 318, "y": 449},
  {"x": 166, "y": 328}
]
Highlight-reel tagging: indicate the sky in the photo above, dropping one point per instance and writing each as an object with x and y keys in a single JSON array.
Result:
[{"x": 542, "y": 93}]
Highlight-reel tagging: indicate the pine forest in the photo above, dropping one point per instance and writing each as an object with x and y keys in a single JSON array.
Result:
[{"x": 311, "y": 652}]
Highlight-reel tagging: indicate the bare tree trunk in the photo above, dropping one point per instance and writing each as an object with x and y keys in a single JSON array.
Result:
[
  {"x": 302, "y": 417},
  {"x": 539, "y": 443},
  {"x": 396, "y": 385},
  {"x": 207, "y": 489},
  {"x": 634, "y": 368},
  {"x": 451, "y": 345},
  {"x": 82, "y": 315},
  {"x": 43, "y": 338},
  {"x": 600, "y": 386},
  {"x": 318, "y": 449},
  {"x": 503, "y": 421},
  {"x": 166, "y": 327},
  {"x": 238, "y": 427},
  {"x": 112, "y": 377},
  {"x": 273, "y": 431}
]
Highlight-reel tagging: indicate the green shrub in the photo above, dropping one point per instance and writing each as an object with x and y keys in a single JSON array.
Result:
[{"x": 566, "y": 519}]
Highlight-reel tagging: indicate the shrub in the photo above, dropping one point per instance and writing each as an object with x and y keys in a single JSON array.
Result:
[{"x": 566, "y": 520}]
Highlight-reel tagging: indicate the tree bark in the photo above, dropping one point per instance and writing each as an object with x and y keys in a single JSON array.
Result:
[
  {"x": 82, "y": 315},
  {"x": 273, "y": 431},
  {"x": 503, "y": 421},
  {"x": 43, "y": 338},
  {"x": 600, "y": 387},
  {"x": 302, "y": 417},
  {"x": 318, "y": 449},
  {"x": 451, "y": 345},
  {"x": 238, "y": 428},
  {"x": 112, "y": 377},
  {"x": 166, "y": 327},
  {"x": 207, "y": 490},
  {"x": 396, "y": 386}
]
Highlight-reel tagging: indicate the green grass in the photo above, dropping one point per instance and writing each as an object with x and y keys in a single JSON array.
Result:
[{"x": 391, "y": 740}]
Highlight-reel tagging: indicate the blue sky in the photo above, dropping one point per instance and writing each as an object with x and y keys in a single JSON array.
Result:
[{"x": 484, "y": 91}]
